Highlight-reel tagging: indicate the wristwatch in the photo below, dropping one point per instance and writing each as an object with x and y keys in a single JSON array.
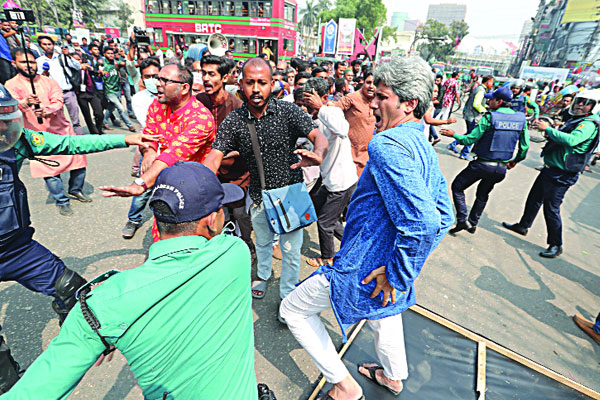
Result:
[{"x": 140, "y": 182}]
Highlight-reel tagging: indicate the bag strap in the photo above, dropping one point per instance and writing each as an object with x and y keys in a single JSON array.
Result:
[{"x": 257, "y": 154}]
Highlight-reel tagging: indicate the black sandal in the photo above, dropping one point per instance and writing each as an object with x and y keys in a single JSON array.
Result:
[
  {"x": 264, "y": 393},
  {"x": 373, "y": 376}
]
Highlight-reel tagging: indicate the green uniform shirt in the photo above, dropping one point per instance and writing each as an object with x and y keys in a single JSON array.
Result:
[
  {"x": 484, "y": 125},
  {"x": 578, "y": 142},
  {"x": 46, "y": 144},
  {"x": 183, "y": 320},
  {"x": 531, "y": 104},
  {"x": 111, "y": 78}
]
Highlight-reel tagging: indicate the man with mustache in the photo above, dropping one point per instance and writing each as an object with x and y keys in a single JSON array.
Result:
[{"x": 279, "y": 124}]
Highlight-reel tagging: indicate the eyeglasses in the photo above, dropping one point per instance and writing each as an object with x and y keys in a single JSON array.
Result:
[{"x": 165, "y": 81}]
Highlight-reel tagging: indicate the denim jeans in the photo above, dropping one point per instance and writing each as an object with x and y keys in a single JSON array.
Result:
[
  {"x": 57, "y": 189},
  {"x": 466, "y": 149},
  {"x": 127, "y": 92},
  {"x": 138, "y": 203},
  {"x": 596, "y": 327},
  {"x": 290, "y": 243},
  {"x": 114, "y": 103}
]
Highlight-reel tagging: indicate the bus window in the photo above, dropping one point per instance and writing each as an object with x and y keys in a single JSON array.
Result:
[
  {"x": 289, "y": 12},
  {"x": 267, "y": 8},
  {"x": 192, "y": 7},
  {"x": 157, "y": 37},
  {"x": 238, "y": 8},
  {"x": 201, "y": 7},
  {"x": 288, "y": 44},
  {"x": 245, "y": 8},
  {"x": 229, "y": 10},
  {"x": 252, "y": 46},
  {"x": 253, "y": 9},
  {"x": 222, "y": 8}
]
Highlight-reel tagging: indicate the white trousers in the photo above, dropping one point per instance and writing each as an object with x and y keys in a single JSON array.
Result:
[
  {"x": 446, "y": 112},
  {"x": 301, "y": 309}
]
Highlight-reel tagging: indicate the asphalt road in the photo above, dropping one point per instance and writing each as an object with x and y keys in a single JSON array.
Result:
[{"x": 492, "y": 282}]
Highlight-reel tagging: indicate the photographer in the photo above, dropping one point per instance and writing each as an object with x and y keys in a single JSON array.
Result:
[{"x": 139, "y": 49}]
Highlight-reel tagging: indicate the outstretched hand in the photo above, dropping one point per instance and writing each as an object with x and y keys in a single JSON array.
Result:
[
  {"x": 309, "y": 159},
  {"x": 141, "y": 139},
  {"x": 382, "y": 285},
  {"x": 447, "y": 132},
  {"x": 124, "y": 191}
]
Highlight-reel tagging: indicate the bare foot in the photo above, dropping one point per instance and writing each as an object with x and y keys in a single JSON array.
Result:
[
  {"x": 347, "y": 389},
  {"x": 258, "y": 293},
  {"x": 380, "y": 377}
]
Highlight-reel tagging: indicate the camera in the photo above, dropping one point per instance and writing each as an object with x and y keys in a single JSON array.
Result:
[{"x": 141, "y": 36}]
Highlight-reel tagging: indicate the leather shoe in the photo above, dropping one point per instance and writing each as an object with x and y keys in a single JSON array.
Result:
[
  {"x": 586, "y": 326},
  {"x": 65, "y": 210},
  {"x": 460, "y": 226},
  {"x": 515, "y": 228},
  {"x": 129, "y": 229},
  {"x": 552, "y": 252},
  {"x": 80, "y": 196}
]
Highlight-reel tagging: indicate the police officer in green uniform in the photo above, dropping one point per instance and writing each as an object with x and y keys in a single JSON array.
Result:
[
  {"x": 520, "y": 102},
  {"x": 183, "y": 319},
  {"x": 22, "y": 259},
  {"x": 565, "y": 156},
  {"x": 495, "y": 137}
]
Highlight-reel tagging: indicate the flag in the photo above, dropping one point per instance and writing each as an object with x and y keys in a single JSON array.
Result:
[{"x": 8, "y": 4}]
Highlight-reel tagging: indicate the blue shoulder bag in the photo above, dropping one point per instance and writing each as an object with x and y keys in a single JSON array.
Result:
[{"x": 288, "y": 208}]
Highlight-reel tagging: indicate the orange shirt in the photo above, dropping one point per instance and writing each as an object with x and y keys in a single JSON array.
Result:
[{"x": 186, "y": 134}]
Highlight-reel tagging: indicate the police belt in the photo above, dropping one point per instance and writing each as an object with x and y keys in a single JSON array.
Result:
[{"x": 493, "y": 163}]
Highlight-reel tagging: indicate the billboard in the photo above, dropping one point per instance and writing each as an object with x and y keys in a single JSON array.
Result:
[
  {"x": 545, "y": 73},
  {"x": 581, "y": 11},
  {"x": 331, "y": 29},
  {"x": 113, "y": 32},
  {"x": 345, "y": 42}
]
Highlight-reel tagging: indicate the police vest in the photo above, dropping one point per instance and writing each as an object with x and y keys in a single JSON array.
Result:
[
  {"x": 576, "y": 162},
  {"x": 518, "y": 103},
  {"x": 499, "y": 142},
  {"x": 14, "y": 210}
]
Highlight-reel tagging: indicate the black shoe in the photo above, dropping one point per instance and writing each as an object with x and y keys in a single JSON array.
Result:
[
  {"x": 461, "y": 226},
  {"x": 515, "y": 228},
  {"x": 80, "y": 196},
  {"x": 472, "y": 229},
  {"x": 552, "y": 252},
  {"x": 65, "y": 210},
  {"x": 129, "y": 230}
]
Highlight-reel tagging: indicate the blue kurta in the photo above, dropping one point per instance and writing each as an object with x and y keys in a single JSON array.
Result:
[{"x": 398, "y": 214}]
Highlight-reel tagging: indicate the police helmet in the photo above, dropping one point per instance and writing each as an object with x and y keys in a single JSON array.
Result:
[
  {"x": 584, "y": 98},
  {"x": 520, "y": 83},
  {"x": 11, "y": 120}
]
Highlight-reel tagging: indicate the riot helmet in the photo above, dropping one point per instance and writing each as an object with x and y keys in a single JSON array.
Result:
[
  {"x": 11, "y": 120},
  {"x": 580, "y": 105}
]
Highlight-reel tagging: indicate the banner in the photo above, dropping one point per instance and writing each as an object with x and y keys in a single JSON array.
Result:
[
  {"x": 113, "y": 32},
  {"x": 581, "y": 11},
  {"x": 331, "y": 29},
  {"x": 545, "y": 73},
  {"x": 345, "y": 41}
]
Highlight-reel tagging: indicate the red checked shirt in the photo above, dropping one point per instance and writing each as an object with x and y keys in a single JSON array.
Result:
[{"x": 186, "y": 134}]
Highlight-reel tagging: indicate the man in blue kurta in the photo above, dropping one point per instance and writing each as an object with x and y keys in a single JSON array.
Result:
[{"x": 398, "y": 214}]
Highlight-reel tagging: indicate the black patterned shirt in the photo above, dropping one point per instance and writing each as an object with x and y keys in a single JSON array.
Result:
[{"x": 278, "y": 129}]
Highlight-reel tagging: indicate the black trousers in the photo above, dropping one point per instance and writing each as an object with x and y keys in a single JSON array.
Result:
[
  {"x": 93, "y": 101},
  {"x": 489, "y": 175},
  {"x": 329, "y": 207},
  {"x": 549, "y": 189},
  {"x": 7, "y": 71}
]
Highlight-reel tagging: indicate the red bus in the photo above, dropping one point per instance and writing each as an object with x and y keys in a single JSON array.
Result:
[{"x": 250, "y": 26}]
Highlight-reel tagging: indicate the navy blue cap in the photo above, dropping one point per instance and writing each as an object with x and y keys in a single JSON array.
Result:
[
  {"x": 502, "y": 93},
  {"x": 192, "y": 191}
]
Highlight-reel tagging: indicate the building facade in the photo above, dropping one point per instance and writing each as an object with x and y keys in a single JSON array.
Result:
[{"x": 447, "y": 13}]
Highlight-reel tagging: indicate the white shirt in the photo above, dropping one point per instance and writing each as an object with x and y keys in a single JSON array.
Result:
[
  {"x": 56, "y": 70},
  {"x": 140, "y": 102},
  {"x": 337, "y": 169}
]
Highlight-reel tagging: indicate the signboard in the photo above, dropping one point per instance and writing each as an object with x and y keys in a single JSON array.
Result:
[
  {"x": 208, "y": 28},
  {"x": 545, "y": 73},
  {"x": 80, "y": 33},
  {"x": 329, "y": 37},
  {"x": 581, "y": 11},
  {"x": 113, "y": 32},
  {"x": 345, "y": 41},
  {"x": 19, "y": 15}
]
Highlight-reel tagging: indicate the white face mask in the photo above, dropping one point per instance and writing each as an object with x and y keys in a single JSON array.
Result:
[{"x": 150, "y": 84}]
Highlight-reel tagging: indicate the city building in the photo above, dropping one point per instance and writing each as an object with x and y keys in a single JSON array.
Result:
[
  {"x": 447, "y": 13},
  {"x": 398, "y": 19}
]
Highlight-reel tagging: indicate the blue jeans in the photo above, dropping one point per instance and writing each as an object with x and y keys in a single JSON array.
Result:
[
  {"x": 596, "y": 327},
  {"x": 57, "y": 189},
  {"x": 290, "y": 243},
  {"x": 127, "y": 92},
  {"x": 138, "y": 203},
  {"x": 432, "y": 132},
  {"x": 114, "y": 103},
  {"x": 466, "y": 149}
]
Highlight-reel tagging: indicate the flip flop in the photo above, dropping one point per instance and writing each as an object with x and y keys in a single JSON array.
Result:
[
  {"x": 373, "y": 377},
  {"x": 259, "y": 286},
  {"x": 313, "y": 262}
]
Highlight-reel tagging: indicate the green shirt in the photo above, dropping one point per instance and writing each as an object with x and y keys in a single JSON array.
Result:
[
  {"x": 531, "y": 104},
  {"x": 111, "y": 78},
  {"x": 484, "y": 125},
  {"x": 578, "y": 141},
  {"x": 183, "y": 320},
  {"x": 46, "y": 144}
]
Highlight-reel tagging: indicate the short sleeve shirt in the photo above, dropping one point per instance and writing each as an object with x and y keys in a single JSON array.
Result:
[{"x": 278, "y": 129}]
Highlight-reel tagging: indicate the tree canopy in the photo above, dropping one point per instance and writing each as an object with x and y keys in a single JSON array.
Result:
[
  {"x": 369, "y": 15},
  {"x": 437, "y": 41}
]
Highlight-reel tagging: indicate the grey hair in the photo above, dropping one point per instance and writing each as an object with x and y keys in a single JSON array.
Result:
[
  {"x": 320, "y": 85},
  {"x": 409, "y": 78}
]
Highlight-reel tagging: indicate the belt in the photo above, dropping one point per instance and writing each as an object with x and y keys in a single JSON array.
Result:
[
  {"x": 494, "y": 163},
  {"x": 67, "y": 91}
]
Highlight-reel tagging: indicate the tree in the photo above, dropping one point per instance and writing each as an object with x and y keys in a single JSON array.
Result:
[
  {"x": 369, "y": 15},
  {"x": 308, "y": 15},
  {"x": 124, "y": 15},
  {"x": 437, "y": 41},
  {"x": 44, "y": 11}
]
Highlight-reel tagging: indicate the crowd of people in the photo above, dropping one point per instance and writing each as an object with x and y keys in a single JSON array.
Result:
[{"x": 221, "y": 141}]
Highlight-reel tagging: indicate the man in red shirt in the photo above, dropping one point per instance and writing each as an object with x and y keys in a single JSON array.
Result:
[{"x": 187, "y": 130}]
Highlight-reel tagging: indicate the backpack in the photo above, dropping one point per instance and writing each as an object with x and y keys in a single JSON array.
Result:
[{"x": 73, "y": 75}]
